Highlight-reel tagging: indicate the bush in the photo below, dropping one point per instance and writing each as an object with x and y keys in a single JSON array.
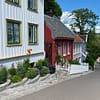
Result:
[
  {"x": 21, "y": 71},
  {"x": 58, "y": 59},
  {"x": 31, "y": 73},
  {"x": 74, "y": 62},
  {"x": 12, "y": 71},
  {"x": 3, "y": 75},
  {"x": 45, "y": 62},
  {"x": 26, "y": 64},
  {"x": 52, "y": 69},
  {"x": 16, "y": 78},
  {"x": 39, "y": 64},
  {"x": 44, "y": 71}
]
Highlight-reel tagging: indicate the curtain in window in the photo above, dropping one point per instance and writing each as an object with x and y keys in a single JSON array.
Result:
[
  {"x": 60, "y": 48},
  {"x": 64, "y": 49}
]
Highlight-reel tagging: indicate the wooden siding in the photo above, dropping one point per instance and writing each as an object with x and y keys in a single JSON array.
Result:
[{"x": 8, "y": 11}]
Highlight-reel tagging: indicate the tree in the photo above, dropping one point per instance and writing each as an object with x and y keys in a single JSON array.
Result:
[
  {"x": 93, "y": 48},
  {"x": 51, "y": 6},
  {"x": 84, "y": 20}
]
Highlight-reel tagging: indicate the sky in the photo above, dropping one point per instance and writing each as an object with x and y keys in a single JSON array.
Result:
[{"x": 68, "y": 6}]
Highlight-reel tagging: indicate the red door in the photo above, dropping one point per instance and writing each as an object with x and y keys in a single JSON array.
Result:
[{"x": 48, "y": 50}]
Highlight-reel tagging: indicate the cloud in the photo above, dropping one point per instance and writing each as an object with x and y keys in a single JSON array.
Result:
[
  {"x": 97, "y": 29},
  {"x": 67, "y": 18}
]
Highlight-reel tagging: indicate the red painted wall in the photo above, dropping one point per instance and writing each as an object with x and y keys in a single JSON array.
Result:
[
  {"x": 70, "y": 56},
  {"x": 49, "y": 40}
]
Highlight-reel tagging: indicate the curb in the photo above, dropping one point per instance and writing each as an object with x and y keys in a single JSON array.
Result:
[
  {"x": 45, "y": 77},
  {"x": 4, "y": 86},
  {"x": 17, "y": 84},
  {"x": 33, "y": 80}
]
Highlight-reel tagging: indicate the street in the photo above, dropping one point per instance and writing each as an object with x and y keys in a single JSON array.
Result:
[{"x": 86, "y": 87}]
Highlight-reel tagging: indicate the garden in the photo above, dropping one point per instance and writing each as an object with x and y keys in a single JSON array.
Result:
[{"x": 24, "y": 71}]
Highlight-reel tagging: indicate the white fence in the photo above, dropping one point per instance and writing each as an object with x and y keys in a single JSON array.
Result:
[{"x": 74, "y": 69}]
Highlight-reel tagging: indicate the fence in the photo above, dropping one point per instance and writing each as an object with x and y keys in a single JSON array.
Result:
[{"x": 74, "y": 69}]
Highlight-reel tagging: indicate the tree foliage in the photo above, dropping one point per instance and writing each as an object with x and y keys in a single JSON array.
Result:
[
  {"x": 51, "y": 6},
  {"x": 84, "y": 20},
  {"x": 93, "y": 48}
]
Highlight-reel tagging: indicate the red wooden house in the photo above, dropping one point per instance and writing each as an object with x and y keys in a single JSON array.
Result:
[{"x": 58, "y": 39}]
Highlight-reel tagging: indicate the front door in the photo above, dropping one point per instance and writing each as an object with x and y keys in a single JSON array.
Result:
[{"x": 48, "y": 50}]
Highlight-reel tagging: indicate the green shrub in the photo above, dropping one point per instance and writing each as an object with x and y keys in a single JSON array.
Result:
[
  {"x": 3, "y": 75},
  {"x": 44, "y": 71},
  {"x": 45, "y": 62},
  {"x": 58, "y": 58},
  {"x": 39, "y": 64},
  {"x": 31, "y": 73},
  {"x": 16, "y": 78},
  {"x": 12, "y": 71},
  {"x": 21, "y": 71},
  {"x": 26, "y": 64},
  {"x": 63, "y": 61},
  {"x": 74, "y": 62}
]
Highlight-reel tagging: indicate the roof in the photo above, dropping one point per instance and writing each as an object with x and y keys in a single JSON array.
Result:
[
  {"x": 59, "y": 30},
  {"x": 77, "y": 38}
]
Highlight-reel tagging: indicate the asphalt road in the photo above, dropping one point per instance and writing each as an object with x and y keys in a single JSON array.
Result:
[{"x": 86, "y": 87}]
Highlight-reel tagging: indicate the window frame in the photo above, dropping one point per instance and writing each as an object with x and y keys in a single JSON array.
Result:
[
  {"x": 19, "y": 27},
  {"x": 31, "y": 9},
  {"x": 36, "y": 41},
  {"x": 14, "y": 3}
]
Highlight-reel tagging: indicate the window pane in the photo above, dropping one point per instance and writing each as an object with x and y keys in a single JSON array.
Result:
[
  {"x": 60, "y": 48},
  {"x": 68, "y": 46},
  {"x": 33, "y": 34},
  {"x": 10, "y": 33},
  {"x": 30, "y": 34},
  {"x": 34, "y": 4},
  {"x": 13, "y": 30},
  {"x": 64, "y": 49},
  {"x": 16, "y": 33}
]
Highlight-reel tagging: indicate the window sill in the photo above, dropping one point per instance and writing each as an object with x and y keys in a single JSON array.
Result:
[
  {"x": 33, "y": 44},
  {"x": 33, "y": 10},
  {"x": 11, "y": 45}
]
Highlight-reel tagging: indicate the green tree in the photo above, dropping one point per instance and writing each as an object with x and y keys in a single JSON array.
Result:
[
  {"x": 51, "y": 6},
  {"x": 84, "y": 20},
  {"x": 93, "y": 48}
]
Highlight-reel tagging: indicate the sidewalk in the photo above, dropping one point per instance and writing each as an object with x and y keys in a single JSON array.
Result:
[{"x": 17, "y": 92}]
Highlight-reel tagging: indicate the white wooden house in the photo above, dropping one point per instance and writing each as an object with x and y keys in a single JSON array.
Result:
[
  {"x": 21, "y": 30},
  {"x": 77, "y": 48}
]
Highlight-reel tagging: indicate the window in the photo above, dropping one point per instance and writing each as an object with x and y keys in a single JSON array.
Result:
[
  {"x": 60, "y": 48},
  {"x": 64, "y": 49},
  {"x": 68, "y": 46},
  {"x": 13, "y": 32},
  {"x": 32, "y": 5},
  {"x": 16, "y": 2},
  {"x": 33, "y": 34}
]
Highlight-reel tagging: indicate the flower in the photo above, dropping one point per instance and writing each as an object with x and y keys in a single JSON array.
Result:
[{"x": 29, "y": 50}]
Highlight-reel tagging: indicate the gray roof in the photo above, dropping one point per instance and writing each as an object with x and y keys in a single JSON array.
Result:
[{"x": 59, "y": 30}]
